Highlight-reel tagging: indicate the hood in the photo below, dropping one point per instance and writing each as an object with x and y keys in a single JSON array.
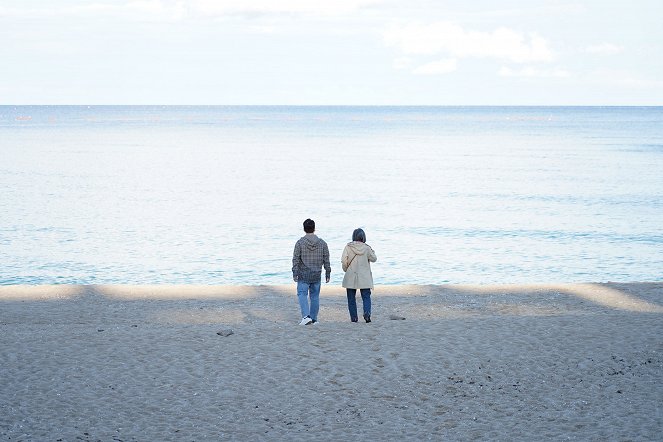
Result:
[
  {"x": 311, "y": 242},
  {"x": 357, "y": 247}
]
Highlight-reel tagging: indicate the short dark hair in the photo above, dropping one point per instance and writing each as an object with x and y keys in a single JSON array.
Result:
[
  {"x": 359, "y": 235},
  {"x": 309, "y": 226}
]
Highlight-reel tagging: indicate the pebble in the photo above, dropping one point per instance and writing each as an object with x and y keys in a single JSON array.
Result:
[
  {"x": 396, "y": 318},
  {"x": 225, "y": 332}
]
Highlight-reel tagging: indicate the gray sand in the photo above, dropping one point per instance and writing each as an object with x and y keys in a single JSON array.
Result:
[{"x": 533, "y": 362}]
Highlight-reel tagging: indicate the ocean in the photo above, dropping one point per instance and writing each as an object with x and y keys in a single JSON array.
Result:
[{"x": 218, "y": 194}]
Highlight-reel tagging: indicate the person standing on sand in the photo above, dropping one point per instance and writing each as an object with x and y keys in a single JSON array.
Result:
[
  {"x": 310, "y": 255},
  {"x": 356, "y": 262}
]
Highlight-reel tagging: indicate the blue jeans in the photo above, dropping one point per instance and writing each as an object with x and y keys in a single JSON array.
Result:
[
  {"x": 352, "y": 302},
  {"x": 304, "y": 291}
]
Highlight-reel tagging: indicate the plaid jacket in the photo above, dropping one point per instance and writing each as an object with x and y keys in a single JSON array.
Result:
[{"x": 310, "y": 255}]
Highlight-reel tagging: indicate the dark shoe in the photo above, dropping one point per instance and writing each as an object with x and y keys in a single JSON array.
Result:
[
  {"x": 367, "y": 318},
  {"x": 354, "y": 319}
]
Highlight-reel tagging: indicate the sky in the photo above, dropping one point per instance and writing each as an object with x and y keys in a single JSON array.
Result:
[{"x": 342, "y": 52}]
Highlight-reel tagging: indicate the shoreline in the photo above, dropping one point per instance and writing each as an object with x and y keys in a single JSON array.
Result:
[{"x": 480, "y": 362}]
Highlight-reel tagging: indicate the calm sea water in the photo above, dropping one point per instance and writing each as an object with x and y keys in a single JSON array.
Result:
[{"x": 217, "y": 195}]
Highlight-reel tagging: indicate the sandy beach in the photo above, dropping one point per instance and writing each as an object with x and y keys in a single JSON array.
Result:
[{"x": 507, "y": 362}]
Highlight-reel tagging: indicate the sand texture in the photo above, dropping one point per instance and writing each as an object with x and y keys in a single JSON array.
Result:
[{"x": 498, "y": 363}]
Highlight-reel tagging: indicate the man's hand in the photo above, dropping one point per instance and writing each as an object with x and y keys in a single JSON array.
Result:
[
  {"x": 294, "y": 278},
  {"x": 327, "y": 279}
]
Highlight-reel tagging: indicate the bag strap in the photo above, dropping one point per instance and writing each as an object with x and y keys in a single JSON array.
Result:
[{"x": 353, "y": 258}]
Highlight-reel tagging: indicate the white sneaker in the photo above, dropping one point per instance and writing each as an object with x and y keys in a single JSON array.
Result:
[{"x": 306, "y": 321}]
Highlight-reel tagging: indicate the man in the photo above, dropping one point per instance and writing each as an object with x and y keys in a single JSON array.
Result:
[{"x": 310, "y": 254}]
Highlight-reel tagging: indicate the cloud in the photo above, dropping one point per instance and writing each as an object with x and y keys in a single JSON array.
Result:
[
  {"x": 172, "y": 10},
  {"x": 138, "y": 9},
  {"x": 150, "y": 10},
  {"x": 437, "y": 67},
  {"x": 217, "y": 8},
  {"x": 444, "y": 37},
  {"x": 402, "y": 63},
  {"x": 530, "y": 72},
  {"x": 604, "y": 49}
]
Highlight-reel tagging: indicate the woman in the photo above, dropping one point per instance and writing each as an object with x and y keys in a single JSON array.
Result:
[{"x": 356, "y": 261}]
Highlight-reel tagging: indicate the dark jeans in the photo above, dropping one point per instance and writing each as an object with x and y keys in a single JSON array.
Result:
[{"x": 352, "y": 302}]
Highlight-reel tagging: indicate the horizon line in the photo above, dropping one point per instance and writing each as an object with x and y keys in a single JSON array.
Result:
[{"x": 336, "y": 105}]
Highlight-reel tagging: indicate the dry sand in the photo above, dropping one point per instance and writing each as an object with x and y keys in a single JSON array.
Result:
[{"x": 537, "y": 362}]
